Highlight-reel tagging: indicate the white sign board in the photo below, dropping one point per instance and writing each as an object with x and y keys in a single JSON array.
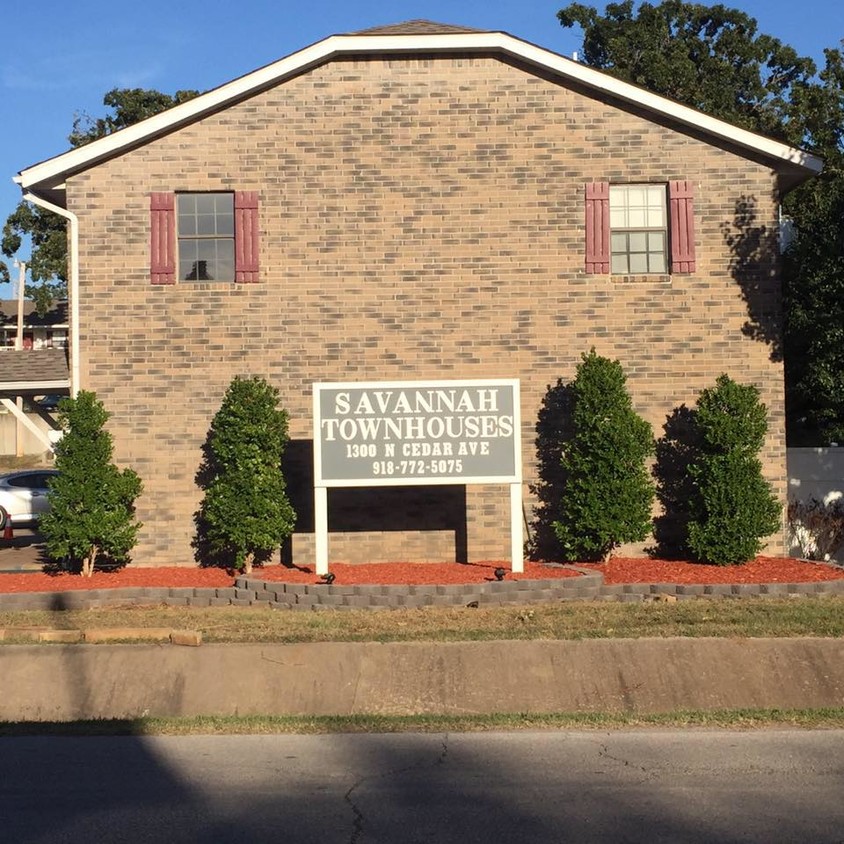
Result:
[
  {"x": 409, "y": 433},
  {"x": 405, "y": 433}
]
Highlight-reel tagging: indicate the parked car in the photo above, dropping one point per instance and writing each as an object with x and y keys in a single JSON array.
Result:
[{"x": 23, "y": 496}]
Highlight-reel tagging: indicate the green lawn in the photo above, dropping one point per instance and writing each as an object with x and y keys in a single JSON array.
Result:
[{"x": 757, "y": 617}]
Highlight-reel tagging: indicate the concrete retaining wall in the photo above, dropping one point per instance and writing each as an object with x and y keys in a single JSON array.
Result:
[{"x": 67, "y": 682}]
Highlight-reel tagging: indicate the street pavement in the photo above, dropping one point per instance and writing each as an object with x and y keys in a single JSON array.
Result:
[{"x": 650, "y": 786}]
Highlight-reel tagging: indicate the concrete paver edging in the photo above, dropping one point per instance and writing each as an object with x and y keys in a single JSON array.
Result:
[{"x": 251, "y": 590}]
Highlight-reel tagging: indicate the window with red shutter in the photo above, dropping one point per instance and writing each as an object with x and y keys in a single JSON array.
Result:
[
  {"x": 204, "y": 237},
  {"x": 632, "y": 230}
]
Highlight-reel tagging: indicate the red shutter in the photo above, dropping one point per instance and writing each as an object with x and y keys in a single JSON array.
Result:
[
  {"x": 598, "y": 227},
  {"x": 681, "y": 197},
  {"x": 246, "y": 240},
  {"x": 162, "y": 238}
]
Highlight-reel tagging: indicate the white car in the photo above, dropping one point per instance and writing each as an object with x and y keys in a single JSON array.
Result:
[{"x": 23, "y": 496}]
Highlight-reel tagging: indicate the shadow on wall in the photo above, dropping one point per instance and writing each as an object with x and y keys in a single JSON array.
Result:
[
  {"x": 753, "y": 265},
  {"x": 675, "y": 451},
  {"x": 553, "y": 430},
  {"x": 373, "y": 509}
]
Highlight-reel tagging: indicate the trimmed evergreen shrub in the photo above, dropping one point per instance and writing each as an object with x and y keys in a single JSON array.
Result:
[
  {"x": 245, "y": 513},
  {"x": 607, "y": 492},
  {"x": 732, "y": 506},
  {"x": 92, "y": 502}
]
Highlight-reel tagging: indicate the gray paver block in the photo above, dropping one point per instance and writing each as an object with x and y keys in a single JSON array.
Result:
[
  {"x": 718, "y": 589},
  {"x": 690, "y": 589}
]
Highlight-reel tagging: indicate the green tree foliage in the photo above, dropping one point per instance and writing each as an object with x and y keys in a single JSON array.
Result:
[
  {"x": 607, "y": 489},
  {"x": 814, "y": 273},
  {"x": 708, "y": 57},
  {"x": 48, "y": 231},
  {"x": 245, "y": 513},
  {"x": 731, "y": 505},
  {"x": 713, "y": 58},
  {"x": 91, "y": 518}
]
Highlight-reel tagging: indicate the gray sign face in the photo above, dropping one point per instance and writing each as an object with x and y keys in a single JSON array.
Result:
[{"x": 413, "y": 432}]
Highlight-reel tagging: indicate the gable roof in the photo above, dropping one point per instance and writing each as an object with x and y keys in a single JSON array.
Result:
[
  {"x": 34, "y": 371},
  {"x": 56, "y": 316},
  {"x": 47, "y": 178},
  {"x": 415, "y": 27}
]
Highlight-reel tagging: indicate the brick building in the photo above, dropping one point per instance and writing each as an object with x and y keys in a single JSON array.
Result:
[{"x": 412, "y": 202}]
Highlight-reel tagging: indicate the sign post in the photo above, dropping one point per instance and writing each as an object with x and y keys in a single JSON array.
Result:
[{"x": 409, "y": 433}]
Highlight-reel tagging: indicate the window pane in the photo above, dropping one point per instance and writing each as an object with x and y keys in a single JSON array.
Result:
[
  {"x": 619, "y": 264},
  {"x": 618, "y": 218},
  {"x": 638, "y": 241},
  {"x": 656, "y": 241},
  {"x": 637, "y": 218},
  {"x": 187, "y": 204},
  {"x": 638, "y": 263},
  {"x": 205, "y": 203},
  {"x": 225, "y": 260},
  {"x": 636, "y": 197},
  {"x": 206, "y": 224},
  {"x": 657, "y": 262},
  {"x": 619, "y": 242}
]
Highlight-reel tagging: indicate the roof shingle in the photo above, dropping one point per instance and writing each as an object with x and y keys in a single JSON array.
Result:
[{"x": 416, "y": 27}]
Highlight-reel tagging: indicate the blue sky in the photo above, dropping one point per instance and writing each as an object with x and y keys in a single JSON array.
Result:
[{"x": 60, "y": 57}]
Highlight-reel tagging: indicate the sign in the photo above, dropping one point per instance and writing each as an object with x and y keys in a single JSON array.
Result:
[{"x": 412, "y": 432}]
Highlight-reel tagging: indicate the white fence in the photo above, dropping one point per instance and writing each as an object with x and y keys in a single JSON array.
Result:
[{"x": 816, "y": 473}]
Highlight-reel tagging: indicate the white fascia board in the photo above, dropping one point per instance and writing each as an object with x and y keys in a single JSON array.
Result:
[
  {"x": 36, "y": 387},
  {"x": 49, "y": 171}
]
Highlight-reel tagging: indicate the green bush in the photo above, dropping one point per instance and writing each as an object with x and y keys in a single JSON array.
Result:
[
  {"x": 92, "y": 502},
  {"x": 732, "y": 506},
  {"x": 607, "y": 491},
  {"x": 245, "y": 513}
]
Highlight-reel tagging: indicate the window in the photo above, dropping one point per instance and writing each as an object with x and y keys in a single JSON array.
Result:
[
  {"x": 205, "y": 223},
  {"x": 204, "y": 237},
  {"x": 638, "y": 230}
]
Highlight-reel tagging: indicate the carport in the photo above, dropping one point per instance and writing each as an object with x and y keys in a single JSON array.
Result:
[{"x": 28, "y": 373}]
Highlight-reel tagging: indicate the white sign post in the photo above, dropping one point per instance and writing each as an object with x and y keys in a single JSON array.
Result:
[{"x": 409, "y": 433}]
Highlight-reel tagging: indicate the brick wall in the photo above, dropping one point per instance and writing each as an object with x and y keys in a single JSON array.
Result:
[{"x": 420, "y": 218}]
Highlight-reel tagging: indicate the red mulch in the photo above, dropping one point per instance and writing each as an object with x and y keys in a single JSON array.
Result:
[
  {"x": 760, "y": 570},
  {"x": 617, "y": 570}
]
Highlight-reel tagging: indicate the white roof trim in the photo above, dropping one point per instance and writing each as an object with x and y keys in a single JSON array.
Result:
[
  {"x": 37, "y": 387},
  {"x": 50, "y": 173}
]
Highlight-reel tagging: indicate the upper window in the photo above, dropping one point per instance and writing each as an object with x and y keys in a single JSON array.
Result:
[
  {"x": 638, "y": 229},
  {"x": 205, "y": 225}
]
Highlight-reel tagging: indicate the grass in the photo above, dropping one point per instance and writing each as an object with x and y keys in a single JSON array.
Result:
[
  {"x": 308, "y": 725},
  {"x": 761, "y": 617}
]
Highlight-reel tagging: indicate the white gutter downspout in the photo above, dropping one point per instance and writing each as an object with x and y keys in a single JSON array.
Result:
[{"x": 73, "y": 291}]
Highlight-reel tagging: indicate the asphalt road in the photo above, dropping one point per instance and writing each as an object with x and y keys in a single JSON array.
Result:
[{"x": 629, "y": 786}]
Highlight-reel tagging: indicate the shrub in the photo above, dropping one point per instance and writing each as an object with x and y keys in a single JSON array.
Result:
[
  {"x": 245, "y": 513},
  {"x": 607, "y": 490},
  {"x": 817, "y": 527},
  {"x": 731, "y": 506},
  {"x": 92, "y": 502}
]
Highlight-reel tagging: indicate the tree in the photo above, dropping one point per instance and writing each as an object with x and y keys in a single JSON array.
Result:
[
  {"x": 245, "y": 513},
  {"x": 607, "y": 489},
  {"x": 814, "y": 272},
  {"x": 48, "y": 231},
  {"x": 731, "y": 506},
  {"x": 91, "y": 518},
  {"x": 707, "y": 57},
  {"x": 713, "y": 59}
]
